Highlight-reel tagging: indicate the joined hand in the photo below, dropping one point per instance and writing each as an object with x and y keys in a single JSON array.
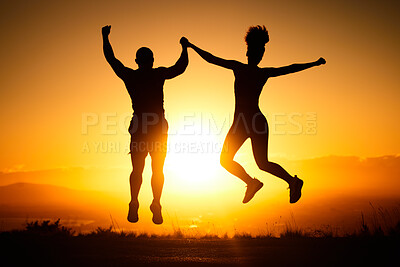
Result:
[{"x": 184, "y": 42}]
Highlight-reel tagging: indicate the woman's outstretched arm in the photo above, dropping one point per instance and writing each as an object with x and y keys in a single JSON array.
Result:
[
  {"x": 210, "y": 58},
  {"x": 274, "y": 72}
]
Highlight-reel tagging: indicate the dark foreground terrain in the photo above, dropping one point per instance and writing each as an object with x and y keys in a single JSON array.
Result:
[{"x": 21, "y": 249}]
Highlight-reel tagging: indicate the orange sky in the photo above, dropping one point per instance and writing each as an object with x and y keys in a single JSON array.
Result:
[
  {"x": 54, "y": 77},
  {"x": 53, "y": 71}
]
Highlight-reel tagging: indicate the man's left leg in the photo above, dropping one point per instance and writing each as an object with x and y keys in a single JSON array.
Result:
[
  {"x": 158, "y": 154},
  {"x": 157, "y": 183}
]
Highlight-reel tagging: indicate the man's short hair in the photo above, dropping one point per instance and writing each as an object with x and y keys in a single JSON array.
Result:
[
  {"x": 144, "y": 55},
  {"x": 257, "y": 35}
]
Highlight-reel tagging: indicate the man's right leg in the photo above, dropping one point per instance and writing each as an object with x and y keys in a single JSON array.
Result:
[{"x": 135, "y": 181}]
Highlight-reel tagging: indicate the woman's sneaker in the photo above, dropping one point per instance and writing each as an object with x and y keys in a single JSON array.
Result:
[
  {"x": 252, "y": 189},
  {"x": 295, "y": 189}
]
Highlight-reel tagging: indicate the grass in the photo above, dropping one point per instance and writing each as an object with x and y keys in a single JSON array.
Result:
[
  {"x": 47, "y": 228},
  {"x": 378, "y": 227},
  {"x": 379, "y": 222},
  {"x": 46, "y": 243}
]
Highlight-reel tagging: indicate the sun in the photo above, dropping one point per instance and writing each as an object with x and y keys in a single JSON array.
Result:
[{"x": 192, "y": 163}]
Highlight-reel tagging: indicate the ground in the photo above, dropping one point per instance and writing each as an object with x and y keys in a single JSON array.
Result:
[{"x": 37, "y": 250}]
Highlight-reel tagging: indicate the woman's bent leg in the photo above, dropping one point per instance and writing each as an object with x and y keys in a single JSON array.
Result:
[{"x": 231, "y": 145}]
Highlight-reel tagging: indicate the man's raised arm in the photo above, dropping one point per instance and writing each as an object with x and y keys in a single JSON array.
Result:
[
  {"x": 115, "y": 64},
  {"x": 274, "y": 72},
  {"x": 181, "y": 64}
]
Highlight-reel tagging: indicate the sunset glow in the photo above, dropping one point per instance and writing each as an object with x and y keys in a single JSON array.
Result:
[{"x": 65, "y": 114}]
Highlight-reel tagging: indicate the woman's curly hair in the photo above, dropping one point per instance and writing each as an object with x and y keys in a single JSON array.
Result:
[{"x": 257, "y": 35}]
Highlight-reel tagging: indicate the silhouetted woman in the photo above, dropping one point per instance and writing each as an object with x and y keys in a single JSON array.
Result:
[{"x": 248, "y": 120}]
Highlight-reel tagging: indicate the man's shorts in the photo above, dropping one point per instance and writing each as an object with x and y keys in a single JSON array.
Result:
[{"x": 149, "y": 134}]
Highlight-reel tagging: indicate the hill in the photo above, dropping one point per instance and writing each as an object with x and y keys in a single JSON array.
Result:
[{"x": 23, "y": 202}]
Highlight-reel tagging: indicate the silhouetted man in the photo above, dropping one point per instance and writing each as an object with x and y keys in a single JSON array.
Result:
[
  {"x": 248, "y": 120},
  {"x": 148, "y": 127}
]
